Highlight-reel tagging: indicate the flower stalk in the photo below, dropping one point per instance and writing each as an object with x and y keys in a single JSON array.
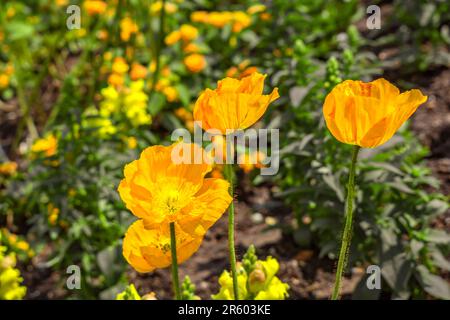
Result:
[
  {"x": 229, "y": 175},
  {"x": 347, "y": 234},
  {"x": 173, "y": 250}
]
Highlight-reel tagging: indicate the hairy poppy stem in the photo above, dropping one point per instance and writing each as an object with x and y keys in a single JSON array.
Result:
[
  {"x": 347, "y": 234},
  {"x": 229, "y": 175},
  {"x": 173, "y": 250}
]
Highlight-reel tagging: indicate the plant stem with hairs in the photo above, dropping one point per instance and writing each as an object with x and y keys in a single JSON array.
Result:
[
  {"x": 347, "y": 234},
  {"x": 173, "y": 252}
]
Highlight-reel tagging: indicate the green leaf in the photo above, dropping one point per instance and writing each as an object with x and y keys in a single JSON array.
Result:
[
  {"x": 438, "y": 236},
  {"x": 19, "y": 30},
  {"x": 156, "y": 103},
  {"x": 433, "y": 284},
  {"x": 183, "y": 94}
]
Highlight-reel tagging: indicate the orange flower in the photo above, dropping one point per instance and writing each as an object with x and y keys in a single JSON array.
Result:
[
  {"x": 48, "y": 146},
  {"x": 127, "y": 28},
  {"x": 95, "y": 7},
  {"x": 8, "y": 168},
  {"x": 195, "y": 62},
  {"x": 149, "y": 249},
  {"x": 188, "y": 32},
  {"x": 159, "y": 190},
  {"x": 191, "y": 48},
  {"x": 235, "y": 104},
  {"x": 368, "y": 114},
  {"x": 138, "y": 71},
  {"x": 172, "y": 38}
]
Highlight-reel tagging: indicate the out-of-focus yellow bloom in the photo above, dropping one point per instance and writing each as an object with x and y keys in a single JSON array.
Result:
[
  {"x": 102, "y": 35},
  {"x": 241, "y": 20},
  {"x": 256, "y": 8},
  {"x": 23, "y": 245},
  {"x": 220, "y": 19},
  {"x": 131, "y": 142},
  {"x": 53, "y": 214},
  {"x": 116, "y": 80},
  {"x": 195, "y": 62},
  {"x": 127, "y": 28},
  {"x": 94, "y": 7},
  {"x": 245, "y": 163},
  {"x": 8, "y": 168},
  {"x": 62, "y": 3},
  {"x": 48, "y": 145},
  {"x": 368, "y": 114},
  {"x": 249, "y": 161},
  {"x": 138, "y": 71},
  {"x": 171, "y": 93},
  {"x": 169, "y": 7},
  {"x": 242, "y": 70},
  {"x": 234, "y": 105},
  {"x": 183, "y": 114},
  {"x": 188, "y": 32},
  {"x": 172, "y": 38},
  {"x": 9, "y": 69},
  {"x": 135, "y": 104},
  {"x": 187, "y": 118},
  {"x": 199, "y": 16},
  {"x": 120, "y": 66},
  {"x": 10, "y": 279},
  {"x": 80, "y": 33},
  {"x": 191, "y": 48},
  {"x": 265, "y": 16},
  {"x": 107, "y": 56},
  {"x": 4, "y": 81},
  {"x": 10, "y": 12},
  {"x": 158, "y": 190}
]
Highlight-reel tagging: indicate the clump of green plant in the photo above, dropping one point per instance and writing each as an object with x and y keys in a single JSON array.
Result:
[{"x": 394, "y": 215}]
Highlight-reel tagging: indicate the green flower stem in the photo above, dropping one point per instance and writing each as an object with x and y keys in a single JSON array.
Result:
[
  {"x": 173, "y": 250},
  {"x": 347, "y": 235},
  {"x": 229, "y": 175}
]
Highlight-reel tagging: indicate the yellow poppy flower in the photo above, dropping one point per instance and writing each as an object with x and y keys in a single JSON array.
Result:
[
  {"x": 368, "y": 114},
  {"x": 159, "y": 190},
  {"x": 149, "y": 249},
  {"x": 235, "y": 104}
]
